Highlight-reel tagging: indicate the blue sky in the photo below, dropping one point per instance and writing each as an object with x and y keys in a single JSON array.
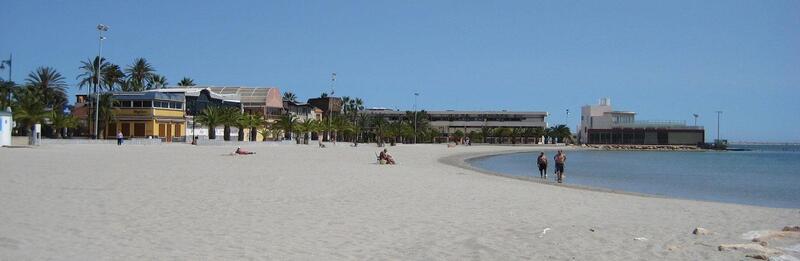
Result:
[{"x": 662, "y": 59}]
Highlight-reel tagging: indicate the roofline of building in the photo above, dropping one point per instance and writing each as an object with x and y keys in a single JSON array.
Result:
[{"x": 462, "y": 112}]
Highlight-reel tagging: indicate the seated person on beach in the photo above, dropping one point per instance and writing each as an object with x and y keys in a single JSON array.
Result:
[
  {"x": 385, "y": 157},
  {"x": 240, "y": 151}
]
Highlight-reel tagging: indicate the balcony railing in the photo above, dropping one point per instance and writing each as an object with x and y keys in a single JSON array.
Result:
[{"x": 657, "y": 125}]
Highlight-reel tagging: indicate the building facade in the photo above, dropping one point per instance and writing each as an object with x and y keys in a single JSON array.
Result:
[
  {"x": 600, "y": 124},
  {"x": 449, "y": 122}
]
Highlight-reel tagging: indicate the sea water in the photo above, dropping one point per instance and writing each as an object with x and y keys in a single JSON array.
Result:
[{"x": 767, "y": 175}]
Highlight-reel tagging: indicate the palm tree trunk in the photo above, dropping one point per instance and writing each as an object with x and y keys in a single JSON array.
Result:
[
  {"x": 241, "y": 134},
  {"x": 226, "y": 133},
  {"x": 212, "y": 133}
]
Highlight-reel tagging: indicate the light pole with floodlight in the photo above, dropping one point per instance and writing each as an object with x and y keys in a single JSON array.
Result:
[
  {"x": 100, "y": 29},
  {"x": 416, "y": 94}
]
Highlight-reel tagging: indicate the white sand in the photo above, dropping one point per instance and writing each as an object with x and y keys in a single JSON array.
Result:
[{"x": 90, "y": 202}]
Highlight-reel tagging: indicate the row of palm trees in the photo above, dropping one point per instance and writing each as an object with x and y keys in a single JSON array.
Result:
[
  {"x": 212, "y": 117},
  {"x": 42, "y": 96},
  {"x": 554, "y": 134},
  {"x": 138, "y": 76}
]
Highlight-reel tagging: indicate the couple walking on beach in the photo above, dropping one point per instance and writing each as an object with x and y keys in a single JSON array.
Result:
[{"x": 560, "y": 159}]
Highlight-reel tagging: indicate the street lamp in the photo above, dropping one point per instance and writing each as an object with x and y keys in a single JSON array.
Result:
[
  {"x": 416, "y": 94},
  {"x": 695, "y": 118},
  {"x": 718, "y": 113},
  {"x": 100, "y": 29}
]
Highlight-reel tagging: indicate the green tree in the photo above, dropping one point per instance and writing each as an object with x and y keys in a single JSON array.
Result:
[
  {"x": 139, "y": 73},
  {"x": 250, "y": 122},
  {"x": 61, "y": 123},
  {"x": 561, "y": 133},
  {"x": 289, "y": 96},
  {"x": 50, "y": 85},
  {"x": 458, "y": 135},
  {"x": 211, "y": 117},
  {"x": 230, "y": 116},
  {"x": 106, "y": 113},
  {"x": 29, "y": 109},
  {"x": 156, "y": 81},
  {"x": 501, "y": 133},
  {"x": 112, "y": 76},
  {"x": 286, "y": 123},
  {"x": 89, "y": 69},
  {"x": 516, "y": 132},
  {"x": 538, "y": 133},
  {"x": 186, "y": 82},
  {"x": 6, "y": 89}
]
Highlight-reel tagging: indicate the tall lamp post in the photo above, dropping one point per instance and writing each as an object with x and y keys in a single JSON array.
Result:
[
  {"x": 100, "y": 29},
  {"x": 718, "y": 113},
  {"x": 416, "y": 94},
  {"x": 695, "y": 118}
]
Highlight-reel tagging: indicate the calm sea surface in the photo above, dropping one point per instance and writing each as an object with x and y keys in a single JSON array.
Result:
[{"x": 768, "y": 175}]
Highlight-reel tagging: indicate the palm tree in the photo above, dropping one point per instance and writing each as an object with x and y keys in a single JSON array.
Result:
[
  {"x": 112, "y": 76},
  {"x": 211, "y": 117},
  {"x": 6, "y": 89},
  {"x": 538, "y": 133},
  {"x": 248, "y": 121},
  {"x": 138, "y": 74},
  {"x": 106, "y": 112},
  {"x": 186, "y": 81},
  {"x": 304, "y": 128},
  {"x": 379, "y": 128},
  {"x": 50, "y": 85},
  {"x": 502, "y": 132},
  {"x": 516, "y": 132},
  {"x": 561, "y": 132},
  {"x": 286, "y": 123},
  {"x": 90, "y": 70},
  {"x": 229, "y": 117},
  {"x": 289, "y": 96},
  {"x": 29, "y": 109},
  {"x": 458, "y": 135},
  {"x": 156, "y": 81},
  {"x": 486, "y": 132},
  {"x": 61, "y": 123}
]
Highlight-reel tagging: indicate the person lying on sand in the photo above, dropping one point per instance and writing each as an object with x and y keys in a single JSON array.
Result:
[
  {"x": 240, "y": 151},
  {"x": 384, "y": 156}
]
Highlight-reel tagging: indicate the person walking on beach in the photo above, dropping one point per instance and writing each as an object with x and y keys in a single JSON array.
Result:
[
  {"x": 560, "y": 159},
  {"x": 120, "y": 137},
  {"x": 542, "y": 162}
]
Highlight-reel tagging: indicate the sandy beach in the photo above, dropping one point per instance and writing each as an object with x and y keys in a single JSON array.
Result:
[{"x": 295, "y": 202}]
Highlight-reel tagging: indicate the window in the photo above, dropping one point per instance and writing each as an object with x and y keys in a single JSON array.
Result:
[
  {"x": 137, "y": 104},
  {"x": 147, "y": 104}
]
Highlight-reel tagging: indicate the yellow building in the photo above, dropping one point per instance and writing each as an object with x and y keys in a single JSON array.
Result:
[{"x": 148, "y": 115}]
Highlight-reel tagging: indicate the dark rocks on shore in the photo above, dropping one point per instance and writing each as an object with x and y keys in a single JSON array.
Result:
[{"x": 644, "y": 147}]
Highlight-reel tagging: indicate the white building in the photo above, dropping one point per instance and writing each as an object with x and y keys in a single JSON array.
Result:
[{"x": 600, "y": 124}]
